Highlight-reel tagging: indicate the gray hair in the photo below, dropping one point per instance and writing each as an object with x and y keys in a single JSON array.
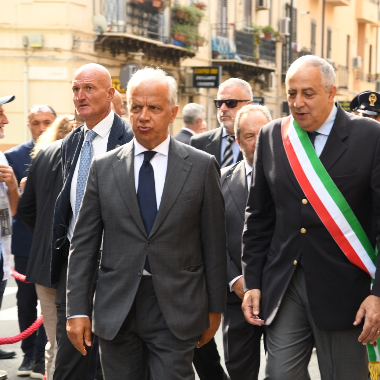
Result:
[
  {"x": 246, "y": 109},
  {"x": 236, "y": 82},
  {"x": 151, "y": 73},
  {"x": 327, "y": 71},
  {"x": 191, "y": 112}
]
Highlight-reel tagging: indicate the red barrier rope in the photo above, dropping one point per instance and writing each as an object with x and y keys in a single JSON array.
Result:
[{"x": 30, "y": 330}]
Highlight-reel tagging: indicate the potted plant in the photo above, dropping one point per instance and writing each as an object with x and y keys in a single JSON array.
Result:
[
  {"x": 189, "y": 13},
  {"x": 268, "y": 31},
  {"x": 200, "y": 5},
  {"x": 277, "y": 36}
]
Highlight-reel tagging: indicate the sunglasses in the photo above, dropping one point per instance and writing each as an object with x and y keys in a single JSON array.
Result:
[
  {"x": 230, "y": 103},
  {"x": 42, "y": 108}
]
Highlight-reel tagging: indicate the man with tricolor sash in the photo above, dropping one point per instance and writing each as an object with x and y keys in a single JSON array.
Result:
[{"x": 312, "y": 220}]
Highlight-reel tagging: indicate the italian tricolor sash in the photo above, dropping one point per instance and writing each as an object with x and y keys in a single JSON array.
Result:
[{"x": 331, "y": 207}]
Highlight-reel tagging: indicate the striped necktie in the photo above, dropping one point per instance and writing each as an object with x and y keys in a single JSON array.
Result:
[{"x": 228, "y": 156}]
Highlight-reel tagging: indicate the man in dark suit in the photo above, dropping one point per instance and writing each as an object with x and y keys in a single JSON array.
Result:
[
  {"x": 103, "y": 131},
  {"x": 241, "y": 340},
  {"x": 233, "y": 94},
  {"x": 40, "y": 117},
  {"x": 298, "y": 280},
  {"x": 163, "y": 266},
  {"x": 193, "y": 115}
]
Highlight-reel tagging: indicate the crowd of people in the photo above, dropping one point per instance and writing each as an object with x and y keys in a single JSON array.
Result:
[{"x": 138, "y": 244}]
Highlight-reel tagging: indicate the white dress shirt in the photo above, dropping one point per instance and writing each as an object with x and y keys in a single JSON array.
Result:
[
  {"x": 235, "y": 146},
  {"x": 324, "y": 131},
  {"x": 99, "y": 146},
  {"x": 248, "y": 176},
  {"x": 159, "y": 163}
]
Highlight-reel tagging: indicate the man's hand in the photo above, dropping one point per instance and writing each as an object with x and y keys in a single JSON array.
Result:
[
  {"x": 79, "y": 330},
  {"x": 207, "y": 335},
  {"x": 370, "y": 308},
  {"x": 251, "y": 307},
  {"x": 238, "y": 287},
  {"x": 7, "y": 176}
]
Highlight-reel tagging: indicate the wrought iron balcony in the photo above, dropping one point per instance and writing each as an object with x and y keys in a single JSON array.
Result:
[{"x": 342, "y": 77}]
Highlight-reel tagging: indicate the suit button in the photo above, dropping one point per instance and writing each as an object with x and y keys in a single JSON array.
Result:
[
  {"x": 303, "y": 230},
  {"x": 295, "y": 262},
  {"x": 305, "y": 201},
  {"x": 140, "y": 273},
  {"x": 148, "y": 243}
]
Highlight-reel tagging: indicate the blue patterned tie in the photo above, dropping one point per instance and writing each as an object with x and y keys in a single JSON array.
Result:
[
  {"x": 84, "y": 167},
  {"x": 228, "y": 156},
  {"x": 146, "y": 195}
]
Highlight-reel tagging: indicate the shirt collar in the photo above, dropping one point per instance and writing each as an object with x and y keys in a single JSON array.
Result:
[
  {"x": 225, "y": 133},
  {"x": 326, "y": 127},
  {"x": 103, "y": 127},
  {"x": 189, "y": 130},
  {"x": 163, "y": 148},
  {"x": 248, "y": 168}
]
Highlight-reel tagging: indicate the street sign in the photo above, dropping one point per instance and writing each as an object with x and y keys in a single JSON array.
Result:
[
  {"x": 207, "y": 77},
  {"x": 258, "y": 100}
]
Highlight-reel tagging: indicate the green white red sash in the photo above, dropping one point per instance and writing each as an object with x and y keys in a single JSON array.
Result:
[
  {"x": 326, "y": 199},
  {"x": 332, "y": 208}
]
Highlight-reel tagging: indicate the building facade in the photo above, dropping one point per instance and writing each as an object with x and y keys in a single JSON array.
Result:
[{"x": 43, "y": 43}]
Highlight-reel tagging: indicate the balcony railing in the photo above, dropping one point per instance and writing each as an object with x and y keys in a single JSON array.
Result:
[
  {"x": 140, "y": 18},
  {"x": 243, "y": 45}
]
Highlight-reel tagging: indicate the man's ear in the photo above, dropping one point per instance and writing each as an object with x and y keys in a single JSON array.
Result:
[{"x": 111, "y": 94}]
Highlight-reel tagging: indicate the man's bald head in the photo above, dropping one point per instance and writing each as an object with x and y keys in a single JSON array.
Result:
[
  {"x": 117, "y": 104},
  {"x": 92, "y": 93}
]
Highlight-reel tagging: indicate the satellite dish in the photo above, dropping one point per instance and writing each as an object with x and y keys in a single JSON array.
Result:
[{"x": 100, "y": 23}]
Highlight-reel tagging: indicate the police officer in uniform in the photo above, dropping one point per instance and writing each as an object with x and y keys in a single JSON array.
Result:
[{"x": 367, "y": 104}]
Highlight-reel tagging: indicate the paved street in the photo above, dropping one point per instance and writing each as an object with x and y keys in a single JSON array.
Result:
[{"x": 9, "y": 327}]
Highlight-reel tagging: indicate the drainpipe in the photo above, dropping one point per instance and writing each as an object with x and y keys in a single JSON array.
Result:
[
  {"x": 323, "y": 27},
  {"x": 291, "y": 33}
]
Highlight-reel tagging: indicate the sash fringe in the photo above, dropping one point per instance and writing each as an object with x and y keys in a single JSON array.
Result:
[{"x": 374, "y": 370}]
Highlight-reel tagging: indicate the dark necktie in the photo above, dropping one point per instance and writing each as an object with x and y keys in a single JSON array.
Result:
[
  {"x": 312, "y": 136},
  {"x": 146, "y": 195},
  {"x": 228, "y": 156}
]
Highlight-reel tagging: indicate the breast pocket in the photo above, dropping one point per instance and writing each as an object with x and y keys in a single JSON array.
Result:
[
  {"x": 347, "y": 179},
  {"x": 187, "y": 196}
]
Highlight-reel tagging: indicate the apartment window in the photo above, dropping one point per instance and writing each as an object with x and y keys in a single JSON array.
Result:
[
  {"x": 222, "y": 18},
  {"x": 348, "y": 52},
  {"x": 247, "y": 12},
  {"x": 329, "y": 32},
  {"x": 294, "y": 21},
  {"x": 313, "y": 42}
]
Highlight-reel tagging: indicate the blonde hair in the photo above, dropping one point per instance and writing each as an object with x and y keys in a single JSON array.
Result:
[{"x": 60, "y": 128}]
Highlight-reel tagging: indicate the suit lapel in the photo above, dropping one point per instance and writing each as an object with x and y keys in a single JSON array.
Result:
[
  {"x": 335, "y": 147},
  {"x": 125, "y": 180},
  {"x": 176, "y": 175},
  {"x": 117, "y": 135},
  {"x": 215, "y": 143},
  {"x": 332, "y": 151},
  {"x": 237, "y": 184}
]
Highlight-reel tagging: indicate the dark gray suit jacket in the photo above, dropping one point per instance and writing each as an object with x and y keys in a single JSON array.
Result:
[
  {"x": 186, "y": 247},
  {"x": 235, "y": 192},
  {"x": 275, "y": 215},
  {"x": 36, "y": 208},
  {"x": 183, "y": 136},
  {"x": 211, "y": 142}
]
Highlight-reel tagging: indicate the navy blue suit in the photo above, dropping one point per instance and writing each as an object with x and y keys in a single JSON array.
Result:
[
  {"x": 19, "y": 159},
  {"x": 75, "y": 368}
]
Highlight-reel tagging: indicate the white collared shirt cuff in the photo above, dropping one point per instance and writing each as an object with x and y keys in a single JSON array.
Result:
[
  {"x": 233, "y": 281},
  {"x": 78, "y": 316}
]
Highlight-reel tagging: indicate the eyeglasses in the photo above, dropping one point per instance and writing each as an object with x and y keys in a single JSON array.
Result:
[
  {"x": 230, "y": 103},
  {"x": 42, "y": 108}
]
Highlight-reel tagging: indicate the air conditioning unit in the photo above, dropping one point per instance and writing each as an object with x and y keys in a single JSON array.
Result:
[
  {"x": 357, "y": 62},
  {"x": 285, "y": 26},
  {"x": 270, "y": 81},
  {"x": 262, "y": 4}
]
